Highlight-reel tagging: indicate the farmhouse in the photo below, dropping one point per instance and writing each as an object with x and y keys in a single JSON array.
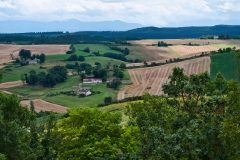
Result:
[
  {"x": 87, "y": 88},
  {"x": 85, "y": 92},
  {"x": 32, "y": 61},
  {"x": 110, "y": 79},
  {"x": 92, "y": 80}
]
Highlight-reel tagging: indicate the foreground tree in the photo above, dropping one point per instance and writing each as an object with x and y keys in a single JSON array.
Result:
[
  {"x": 89, "y": 133},
  {"x": 14, "y": 124},
  {"x": 187, "y": 124}
]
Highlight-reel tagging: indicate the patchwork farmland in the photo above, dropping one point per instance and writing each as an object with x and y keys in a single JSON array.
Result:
[
  {"x": 6, "y": 50},
  {"x": 150, "y": 80},
  {"x": 145, "y": 51}
]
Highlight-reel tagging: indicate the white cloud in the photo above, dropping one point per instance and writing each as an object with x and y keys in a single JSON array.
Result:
[
  {"x": 6, "y": 4},
  {"x": 230, "y": 6},
  {"x": 154, "y": 12}
]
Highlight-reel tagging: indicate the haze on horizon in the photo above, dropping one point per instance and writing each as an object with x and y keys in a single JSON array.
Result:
[{"x": 164, "y": 13}]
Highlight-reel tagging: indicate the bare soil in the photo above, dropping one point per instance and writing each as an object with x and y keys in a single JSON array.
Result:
[
  {"x": 6, "y": 50},
  {"x": 10, "y": 84},
  {"x": 150, "y": 80},
  {"x": 45, "y": 106}
]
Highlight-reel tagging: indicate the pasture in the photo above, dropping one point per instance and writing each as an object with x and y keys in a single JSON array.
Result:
[
  {"x": 101, "y": 48},
  {"x": 227, "y": 64}
]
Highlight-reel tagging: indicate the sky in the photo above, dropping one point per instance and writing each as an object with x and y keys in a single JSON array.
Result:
[{"x": 159, "y": 13}]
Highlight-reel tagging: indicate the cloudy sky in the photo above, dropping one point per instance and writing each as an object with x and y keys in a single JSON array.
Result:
[{"x": 160, "y": 13}]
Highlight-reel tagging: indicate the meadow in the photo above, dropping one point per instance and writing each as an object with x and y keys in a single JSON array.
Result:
[
  {"x": 227, "y": 64},
  {"x": 39, "y": 92}
]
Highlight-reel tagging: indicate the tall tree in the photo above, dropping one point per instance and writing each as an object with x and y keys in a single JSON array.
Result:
[{"x": 42, "y": 58}]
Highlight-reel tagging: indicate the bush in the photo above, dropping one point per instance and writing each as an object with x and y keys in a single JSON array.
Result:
[
  {"x": 87, "y": 50},
  {"x": 82, "y": 95},
  {"x": 108, "y": 100}
]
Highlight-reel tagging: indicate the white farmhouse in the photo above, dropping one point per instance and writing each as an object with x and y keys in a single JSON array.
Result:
[
  {"x": 85, "y": 92},
  {"x": 32, "y": 61},
  {"x": 92, "y": 80}
]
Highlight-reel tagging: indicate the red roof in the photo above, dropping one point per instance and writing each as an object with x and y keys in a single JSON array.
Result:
[{"x": 91, "y": 79}]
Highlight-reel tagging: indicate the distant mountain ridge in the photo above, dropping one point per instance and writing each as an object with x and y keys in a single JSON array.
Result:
[
  {"x": 136, "y": 33},
  {"x": 22, "y": 26}
]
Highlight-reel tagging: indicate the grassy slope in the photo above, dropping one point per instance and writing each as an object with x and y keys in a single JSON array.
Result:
[
  {"x": 90, "y": 101},
  {"x": 70, "y": 101},
  {"x": 227, "y": 64}
]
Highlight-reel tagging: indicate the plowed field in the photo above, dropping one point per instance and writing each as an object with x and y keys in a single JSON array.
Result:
[
  {"x": 150, "y": 80},
  {"x": 5, "y": 50},
  {"x": 10, "y": 84},
  {"x": 45, "y": 106}
]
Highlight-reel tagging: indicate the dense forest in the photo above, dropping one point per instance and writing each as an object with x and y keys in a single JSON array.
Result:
[
  {"x": 135, "y": 34},
  {"x": 197, "y": 118}
]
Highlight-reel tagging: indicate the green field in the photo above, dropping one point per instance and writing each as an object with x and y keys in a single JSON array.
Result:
[
  {"x": 12, "y": 72},
  {"x": 33, "y": 92},
  {"x": 94, "y": 48},
  {"x": 39, "y": 92},
  {"x": 89, "y": 101},
  {"x": 225, "y": 45},
  {"x": 227, "y": 64}
]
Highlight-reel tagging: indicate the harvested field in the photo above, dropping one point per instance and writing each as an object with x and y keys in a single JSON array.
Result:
[
  {"x": 10, "y": 84},
  {"x": 5, "y": 50},
  {"x": 150, "y": 53},
  {"x": 150, "y": 80},
  {"x": 185, "y": 41},
  {"x": 188, "y": 50},
  {"x": 178, "y": 51},
  {"x": 45, "y": 106}
]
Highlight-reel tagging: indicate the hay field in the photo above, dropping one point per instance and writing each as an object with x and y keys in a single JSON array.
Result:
[
  {"x": 188, "y": 50},
  {"x": 150, "y": 80},
  {"x": 6, "y": 49},
  {"x": 185, "y": 41},
  {"x": 150, "y": 53},
  {"x": 44, "y": 106}
]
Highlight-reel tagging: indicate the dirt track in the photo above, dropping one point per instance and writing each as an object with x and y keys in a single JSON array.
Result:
[
  {"x": 10, "y": 84},
  {"x": 150, "y": 80},
  {"x": 5, "y": 50},
  {"x": 45, "y": 106}
]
